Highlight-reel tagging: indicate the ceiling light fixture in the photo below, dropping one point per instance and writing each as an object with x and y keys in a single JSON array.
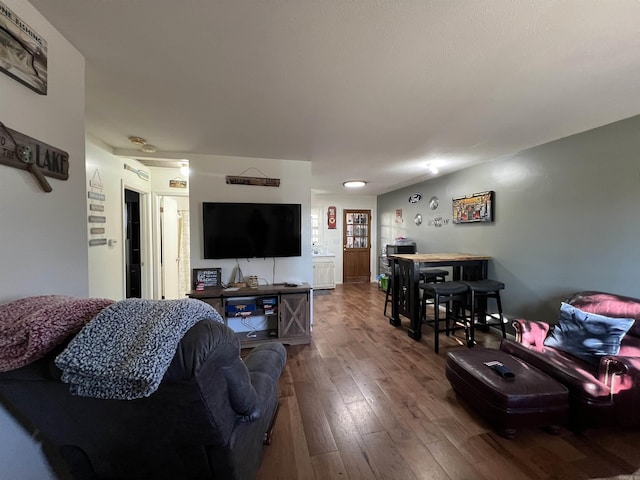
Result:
[
  {"x": 137, "y": 140},
  {"x": 354, "y": 184},
  {"x": 142, "y": 143},
  {"x": 432, "y": 168},
  {"x": 148, "y": 148}
]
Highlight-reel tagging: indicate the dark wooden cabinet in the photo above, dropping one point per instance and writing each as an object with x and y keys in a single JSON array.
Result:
[
  {"x": 294, "y": 317},
  {"x": 215, "y": 302},
  {"x": 267, "y": 313}
]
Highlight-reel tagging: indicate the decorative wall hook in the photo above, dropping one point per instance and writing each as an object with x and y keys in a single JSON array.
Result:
[{"x": 141, "y": 174}]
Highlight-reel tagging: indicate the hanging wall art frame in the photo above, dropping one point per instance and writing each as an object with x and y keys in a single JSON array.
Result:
[
  {"x": 473, "y": 208},
  {"x": 23, "y": 52}
]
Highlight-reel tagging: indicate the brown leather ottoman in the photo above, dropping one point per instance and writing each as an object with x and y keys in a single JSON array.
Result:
[{"x": 530, "y": 399}]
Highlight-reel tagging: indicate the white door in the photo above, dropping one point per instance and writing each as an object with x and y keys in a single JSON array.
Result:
[{"x": 169, "y": 258}]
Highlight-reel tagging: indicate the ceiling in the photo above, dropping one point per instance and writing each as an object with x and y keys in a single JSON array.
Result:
[{"x": 369, "y": 90}]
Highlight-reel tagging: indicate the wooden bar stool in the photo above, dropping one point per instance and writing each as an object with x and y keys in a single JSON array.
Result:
[
  {"x": 481, "y": 290},
  {"x": 444, "y": 293},
  {"x": 432, "y": 275}
]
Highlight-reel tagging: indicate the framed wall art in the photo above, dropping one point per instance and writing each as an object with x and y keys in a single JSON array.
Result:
[
  {"x": 477, "y": 207},
  {"x": 23, "y": 52}
]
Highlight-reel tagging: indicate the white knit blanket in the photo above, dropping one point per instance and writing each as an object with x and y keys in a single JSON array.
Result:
[{"x": 124, "y": 352}]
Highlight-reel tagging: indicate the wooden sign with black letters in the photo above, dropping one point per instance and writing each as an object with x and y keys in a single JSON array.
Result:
[{"x": 51, "y": 161}]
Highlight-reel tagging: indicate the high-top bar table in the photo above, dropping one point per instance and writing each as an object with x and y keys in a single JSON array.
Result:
[{"x": 405, "y": 269}]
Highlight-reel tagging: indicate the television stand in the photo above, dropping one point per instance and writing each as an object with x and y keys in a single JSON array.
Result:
[{"x": 263, "y": 314}]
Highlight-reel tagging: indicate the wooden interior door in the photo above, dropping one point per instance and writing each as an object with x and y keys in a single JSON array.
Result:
[{"x": 356, "y": 246}]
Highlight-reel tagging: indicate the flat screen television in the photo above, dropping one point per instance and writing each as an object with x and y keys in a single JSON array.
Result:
[{"x": 251, "y": 230}]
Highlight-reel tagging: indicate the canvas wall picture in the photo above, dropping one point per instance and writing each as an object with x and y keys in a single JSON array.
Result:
[{"x": 476, "y": 207}]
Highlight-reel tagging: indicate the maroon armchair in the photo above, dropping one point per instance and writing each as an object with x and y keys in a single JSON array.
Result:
[{"x": 603, "y": 389}]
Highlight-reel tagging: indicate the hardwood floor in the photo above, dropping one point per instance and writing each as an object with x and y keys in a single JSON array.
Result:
[{"x": 365, "y": 401}]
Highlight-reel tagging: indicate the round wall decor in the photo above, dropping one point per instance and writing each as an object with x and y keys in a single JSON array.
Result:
[{"x": 415, "y": 198}]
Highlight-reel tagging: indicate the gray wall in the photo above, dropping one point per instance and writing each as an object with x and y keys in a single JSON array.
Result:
[{"x": 567, "y": 218}]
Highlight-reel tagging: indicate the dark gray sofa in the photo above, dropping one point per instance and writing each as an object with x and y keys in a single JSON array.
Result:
[{"x": 207, "y": 419}]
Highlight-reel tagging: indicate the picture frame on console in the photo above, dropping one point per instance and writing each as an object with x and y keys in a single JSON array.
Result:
[{"x": 208, "y": 277}]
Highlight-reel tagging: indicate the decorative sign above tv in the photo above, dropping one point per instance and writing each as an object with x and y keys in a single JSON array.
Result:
[
  {"x": 23, "y": 53},
  {"x": 251, "y": 230},
  {"x": 477, "y": 207},
  {"x": 253, "y": 181}
]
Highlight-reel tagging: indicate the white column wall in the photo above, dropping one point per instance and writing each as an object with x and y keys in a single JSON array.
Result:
[{"x": 43, "y": 235}]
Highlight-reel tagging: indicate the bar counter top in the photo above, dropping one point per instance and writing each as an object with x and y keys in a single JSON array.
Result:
[{"x": 439, "y": 257}]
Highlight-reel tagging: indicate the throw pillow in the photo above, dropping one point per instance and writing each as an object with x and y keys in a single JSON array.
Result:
[{"x": 587, "y": 335}]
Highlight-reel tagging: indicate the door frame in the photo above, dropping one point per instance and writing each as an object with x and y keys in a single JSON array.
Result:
[
  {"x": 146, "y": 270},
  {"x": 370, "y": 236},
  {"x": 156, "y": 239}
]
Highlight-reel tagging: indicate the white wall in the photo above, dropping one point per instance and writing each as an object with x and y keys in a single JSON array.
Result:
[
  {"x": 208, "y": 185},
  {"x": 43, "y": 235},
  {"x": 332, "y": 238},
  {"x": 106, "y": 263}
]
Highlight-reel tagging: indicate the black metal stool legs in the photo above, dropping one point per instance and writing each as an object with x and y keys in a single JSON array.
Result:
[
  {"x": 446, "y": 293},
  {"x": 387, "y": 297},
  {"x": 482, "y": 290},
  {"x": 499, "y": 305}
]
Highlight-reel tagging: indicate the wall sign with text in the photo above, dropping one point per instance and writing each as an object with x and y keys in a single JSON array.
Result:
[
  {"x": 23, "y": 53},
  {"x": 21, "y": 151}
]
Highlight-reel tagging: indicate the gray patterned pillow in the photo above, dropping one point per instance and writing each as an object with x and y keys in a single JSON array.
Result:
[{"x": 587, "y": 335}]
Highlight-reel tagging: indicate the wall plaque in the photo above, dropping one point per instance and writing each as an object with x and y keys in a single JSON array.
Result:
[
  {"x": 253, "y": 181},
  {"x": 23, "y": 53},
  {"x": 21, "y": 151},
  {"x": 96, "y": 196}
]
